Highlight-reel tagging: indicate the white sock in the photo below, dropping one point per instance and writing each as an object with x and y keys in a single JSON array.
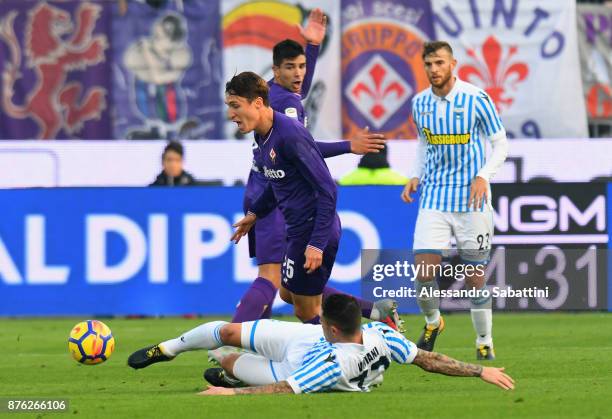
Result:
[
  {"x": 482, "y": 319},
  {"x": 205, "y": 336},
  {"x": 429, "y": 305},
  {"x": 432, "y": 317}
]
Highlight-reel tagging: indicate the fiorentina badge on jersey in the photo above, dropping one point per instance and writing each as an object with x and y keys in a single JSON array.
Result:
[{"x": 273, "y": 156}]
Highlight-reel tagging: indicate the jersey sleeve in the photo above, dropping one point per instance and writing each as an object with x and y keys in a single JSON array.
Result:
[
  {"x": 420, "y": 158},
  {"x": 264, "y": 204},
  {"x": 333, "y": 148},
  {"x": 290, "y": 105},
  {"x": 402, "y": 350},
  {"x": 303, "y": 152},
  {"x": 312, "y": 53},
  {"x": 321, "y": 373},
  {"x": 492, "y": 126},
  {"x": 487, "y": 115}
]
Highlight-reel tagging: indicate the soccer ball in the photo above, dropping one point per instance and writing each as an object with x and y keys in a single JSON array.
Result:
[{"x": 91, "y": 342}]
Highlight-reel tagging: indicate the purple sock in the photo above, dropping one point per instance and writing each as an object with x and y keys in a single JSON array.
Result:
[
  {"x": 366, "y": 306},
  {"x": 315, "y": 320},
  {"x": 255, "y": 301},
  {"x": 268, "y": 311}
]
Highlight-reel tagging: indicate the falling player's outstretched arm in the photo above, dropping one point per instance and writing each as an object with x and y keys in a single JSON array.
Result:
[
  {"x": 442, "y": 364},
  {"x": 262, "y": 206},
  {"x": 493, "y": 129},
  {"x": 282, "y": 387},
  {"x": 404, "y": 351}
]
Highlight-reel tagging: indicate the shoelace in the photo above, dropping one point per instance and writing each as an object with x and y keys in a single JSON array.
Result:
[{"x": 483, "y": 350}]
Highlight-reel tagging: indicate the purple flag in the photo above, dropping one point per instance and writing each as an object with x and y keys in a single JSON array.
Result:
[
  {"x": 168, "y": 71},
  {"x": 55, "y": 69}
]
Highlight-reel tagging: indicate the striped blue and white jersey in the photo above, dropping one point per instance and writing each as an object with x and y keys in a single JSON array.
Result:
[
  {"x": 352, "y": 366},
  {"x": 451, "y": 144}
]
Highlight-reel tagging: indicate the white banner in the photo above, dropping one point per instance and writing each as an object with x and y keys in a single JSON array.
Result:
[
  {"x": 525, "y": 55},
  {"x": 131, "y": 163},
  {"x": 250, "y": 30}
]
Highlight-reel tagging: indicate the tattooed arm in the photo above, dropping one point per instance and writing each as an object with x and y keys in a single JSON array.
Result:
[
  {"x": 442, "y": 364},
  {"x": 276, "y": 388},
  {"x": 280, "y": 387}
]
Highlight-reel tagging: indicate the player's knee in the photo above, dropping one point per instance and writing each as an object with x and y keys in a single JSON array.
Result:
[{"x": 230, "y": 333}]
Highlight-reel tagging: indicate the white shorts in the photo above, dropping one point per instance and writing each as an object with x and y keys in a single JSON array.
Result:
[
  {"x": 279, "y": 349},
  {"x": 473, "y": 232}
]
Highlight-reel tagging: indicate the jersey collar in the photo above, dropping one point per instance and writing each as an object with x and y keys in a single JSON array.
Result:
[{"x": 451, "y": 95}]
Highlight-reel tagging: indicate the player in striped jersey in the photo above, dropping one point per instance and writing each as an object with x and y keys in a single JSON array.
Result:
[
  {"x": 340, "y": 354},
  {"x": 453, "y": 119}
]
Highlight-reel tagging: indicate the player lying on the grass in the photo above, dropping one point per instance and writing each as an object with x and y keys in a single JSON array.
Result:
[{"x": 339, "y": 354}]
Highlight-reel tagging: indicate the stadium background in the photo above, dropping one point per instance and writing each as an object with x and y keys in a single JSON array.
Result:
[{"x": 78, "y": 122}]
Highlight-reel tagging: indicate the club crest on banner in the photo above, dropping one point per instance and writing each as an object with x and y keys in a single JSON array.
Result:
[
  {"x": 500, "y": 44},
  {"x": 382, "y": 66},
  {"x": 496, "y": 69}
]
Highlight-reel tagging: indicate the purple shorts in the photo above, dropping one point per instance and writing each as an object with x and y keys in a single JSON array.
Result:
[
  {"x": 294, "y": 276},
  {"x": 268, "y": 239}
]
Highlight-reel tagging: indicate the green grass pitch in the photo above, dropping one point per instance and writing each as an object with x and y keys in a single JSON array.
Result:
[{"x": 562, "y": 364}]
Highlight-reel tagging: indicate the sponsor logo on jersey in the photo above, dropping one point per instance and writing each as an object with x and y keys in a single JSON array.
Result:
[
  {"x": 273, "y": 174},
  {"x": 445, "y": 139}
]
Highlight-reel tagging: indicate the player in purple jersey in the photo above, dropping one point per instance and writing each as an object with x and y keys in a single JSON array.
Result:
[
  {"x": 299, "y": 183},
  {"x": 293, "y": 71}
]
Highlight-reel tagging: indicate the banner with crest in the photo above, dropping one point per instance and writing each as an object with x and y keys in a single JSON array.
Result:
[
  {"x": 382, "y": 68},
  {"x": 55, "y": 69},
  {"x": 168, "y": 71},
  {"x": 525, "y": 56}
]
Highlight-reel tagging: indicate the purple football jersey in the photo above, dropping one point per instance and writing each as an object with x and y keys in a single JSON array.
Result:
[{"x": 299, "y": 182}]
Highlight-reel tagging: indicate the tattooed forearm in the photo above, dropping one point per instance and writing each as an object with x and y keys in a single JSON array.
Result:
[
  {"x": 281, "y": 387},
  {"x": 442, "y": 364}
]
